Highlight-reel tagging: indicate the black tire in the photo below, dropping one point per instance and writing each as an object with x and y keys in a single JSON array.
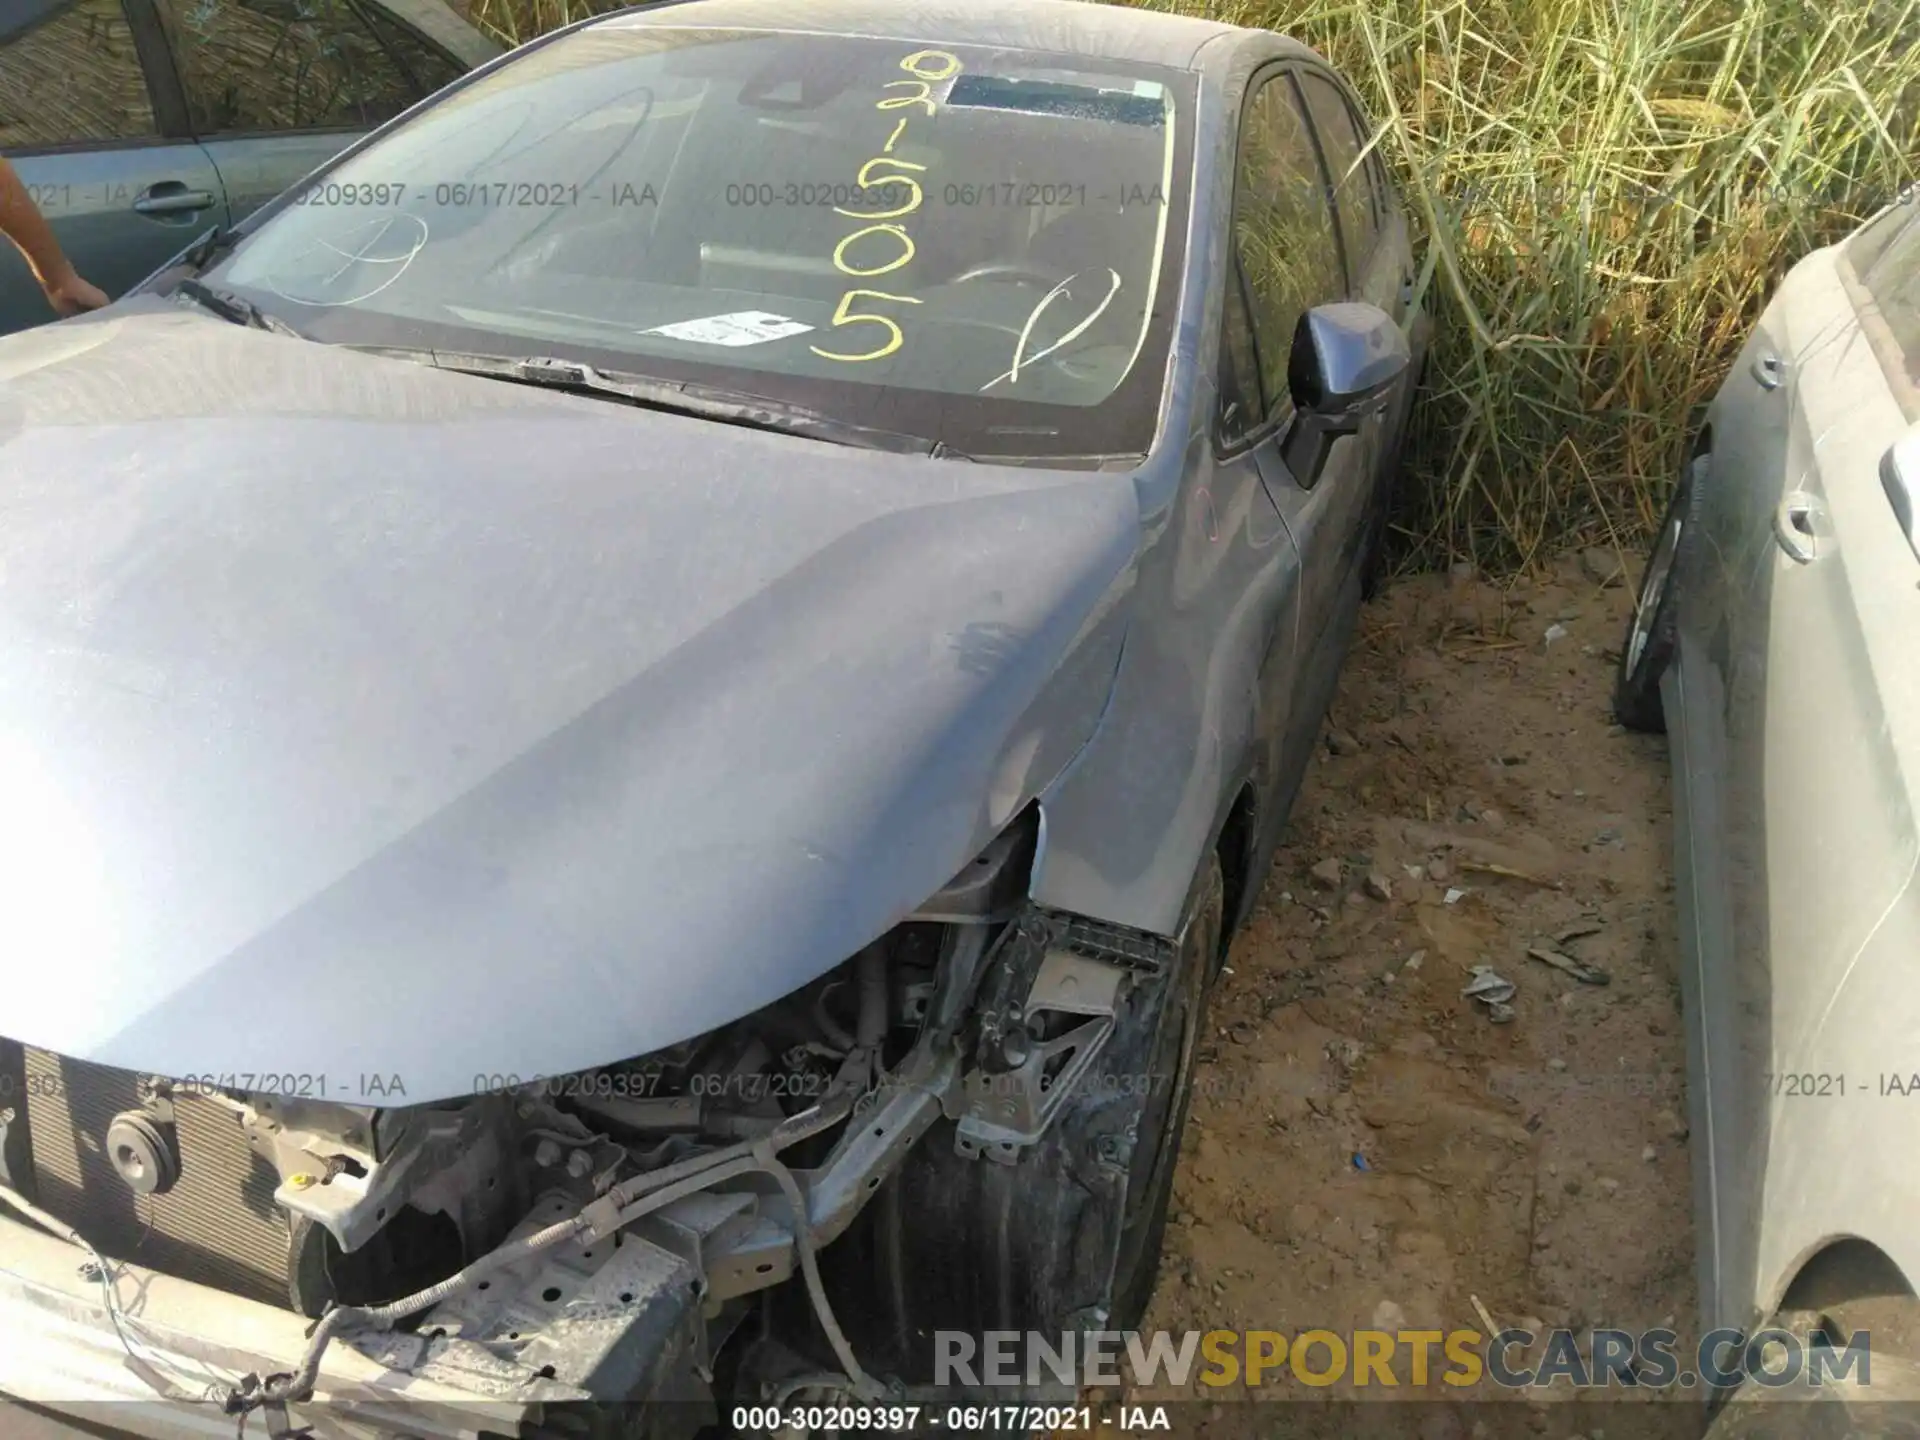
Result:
[
  {"x": 1373, "y": 555},
  {"x": 1882, "y": 1401},
  {"x": 1646, "y": 649},
  {"x": 1182, "y": 1023}
]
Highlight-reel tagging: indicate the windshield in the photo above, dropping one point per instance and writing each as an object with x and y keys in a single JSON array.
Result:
[{"x": 977, "y": 246}]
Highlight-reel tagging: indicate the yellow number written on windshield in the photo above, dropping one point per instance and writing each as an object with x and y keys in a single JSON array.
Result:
[{"x": 881, "y": 246}]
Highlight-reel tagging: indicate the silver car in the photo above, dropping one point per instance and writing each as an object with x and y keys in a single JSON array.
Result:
[
  {"x": 631, "y": 726},
  {"x": 1773, "y": 639}
]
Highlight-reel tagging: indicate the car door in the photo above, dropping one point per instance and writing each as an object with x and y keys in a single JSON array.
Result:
[
  {"x": 1244, "y": 436},
  {"x": 1714, "y": 699},
  {"x": 274, "y": 88},
  {"x": 1255, "y": 407},
  {"x": 1818, "y": 831},
  {"x": 1289, "y": 253},
  {"x": 107, "y": 164},
  {"x": 1836, "y": 742}
]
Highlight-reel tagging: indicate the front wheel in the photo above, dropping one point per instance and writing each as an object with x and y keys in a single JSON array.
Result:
[
  {"x": 1863, "y": 1351},
  {"x": 1176, "y": 1044},
  {"x": 1647, "y": 649}
]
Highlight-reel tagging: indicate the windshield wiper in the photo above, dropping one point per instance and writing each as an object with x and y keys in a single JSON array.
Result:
[
  {"x": 731, "y": 407},
  {"x": 236, "y": 308},
  {"x": 208, "y": 247}
]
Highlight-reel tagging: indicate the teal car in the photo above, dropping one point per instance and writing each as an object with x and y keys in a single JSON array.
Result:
[{"x": 138, "y": 124}]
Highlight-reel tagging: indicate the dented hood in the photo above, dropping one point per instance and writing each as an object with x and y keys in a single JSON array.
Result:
[{"x": 359, "y": 719}]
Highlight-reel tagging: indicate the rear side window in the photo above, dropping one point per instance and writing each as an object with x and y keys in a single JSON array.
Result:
[
  {"x": 1283, "y": 227},
  {"x": 260, "y": 66},
  {"x": 1885, "y": 261},
  {"x": 1343, "y": 142},
  {"x": 69, "y": 75}
]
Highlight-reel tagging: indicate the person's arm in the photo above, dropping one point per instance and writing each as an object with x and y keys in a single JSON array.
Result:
[{"x": 23, "y": 224}]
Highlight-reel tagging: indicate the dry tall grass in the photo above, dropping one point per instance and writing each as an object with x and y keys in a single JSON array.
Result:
[
  {"x": 515, "y": 21},
  {"x": 1610, "y": 189}
]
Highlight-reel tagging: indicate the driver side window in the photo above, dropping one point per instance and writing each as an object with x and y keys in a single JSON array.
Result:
[
  {"x": 267, "y": 66},
  {"x": 69, "y": 76},
  {"x": 1241, "y": 408},
  {"x": 1283, "y": 231}
]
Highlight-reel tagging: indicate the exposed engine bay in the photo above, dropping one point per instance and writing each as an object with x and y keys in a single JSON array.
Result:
[{"x": 660, "y": 1229}]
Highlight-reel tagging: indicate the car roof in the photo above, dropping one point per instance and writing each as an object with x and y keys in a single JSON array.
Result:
[{"x": 1072, "y": 27}]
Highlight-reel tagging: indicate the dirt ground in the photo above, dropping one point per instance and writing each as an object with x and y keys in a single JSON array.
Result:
[{"x": 1369, "y": 1148}]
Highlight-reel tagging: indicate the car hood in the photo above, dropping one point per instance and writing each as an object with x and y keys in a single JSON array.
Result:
[{"x": 362, "y": 720}]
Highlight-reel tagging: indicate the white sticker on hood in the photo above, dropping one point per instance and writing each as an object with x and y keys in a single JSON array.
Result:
[{"x": 743, "y": 327}]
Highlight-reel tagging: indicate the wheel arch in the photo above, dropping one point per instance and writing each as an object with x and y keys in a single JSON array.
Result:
[{"x": 1838, "y": 1269}]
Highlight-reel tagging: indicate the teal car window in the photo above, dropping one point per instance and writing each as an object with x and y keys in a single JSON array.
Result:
[
  {"x": 261, "y": 66},
  {"x": 69, "y": 76}
]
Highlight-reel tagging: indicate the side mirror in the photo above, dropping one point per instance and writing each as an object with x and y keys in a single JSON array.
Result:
[{"x": 1345, "y": 362}]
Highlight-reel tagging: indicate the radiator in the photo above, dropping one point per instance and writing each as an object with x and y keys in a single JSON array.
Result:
[{"x": 216, "y": 1225}]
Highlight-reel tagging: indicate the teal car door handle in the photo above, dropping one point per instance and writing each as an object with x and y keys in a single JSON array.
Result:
[{"x": 171, "y": 197}]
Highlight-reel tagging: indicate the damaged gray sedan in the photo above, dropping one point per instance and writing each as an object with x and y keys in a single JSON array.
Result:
[{"x": 632, "y": 724}]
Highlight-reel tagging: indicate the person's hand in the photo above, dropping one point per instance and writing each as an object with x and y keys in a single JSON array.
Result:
[{"x": 70, "y": 295}]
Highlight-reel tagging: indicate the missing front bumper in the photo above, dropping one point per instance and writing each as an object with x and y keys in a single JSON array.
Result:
[{"x": 64, "y": 1353}]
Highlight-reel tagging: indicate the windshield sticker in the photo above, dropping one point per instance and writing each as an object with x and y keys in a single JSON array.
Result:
[{"x": 742, "y": 327}]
